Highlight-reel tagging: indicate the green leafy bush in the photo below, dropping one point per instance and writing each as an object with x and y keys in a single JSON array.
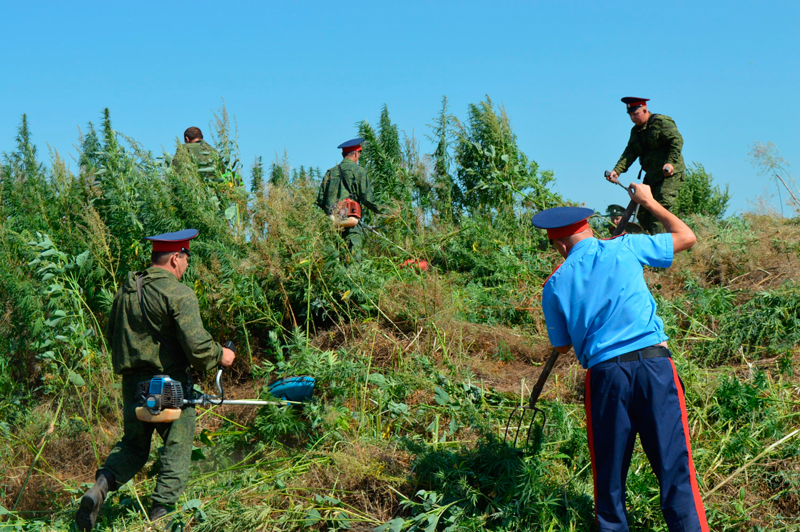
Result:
[
  {"x": 699, "y": 196},
  {"x": 766, "y": 325}
]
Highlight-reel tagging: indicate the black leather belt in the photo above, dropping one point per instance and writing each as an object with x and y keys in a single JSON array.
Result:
[{"x": 656, "y": 351}]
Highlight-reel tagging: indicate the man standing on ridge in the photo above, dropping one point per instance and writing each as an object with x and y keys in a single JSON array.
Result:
[
  {"x": 597, "y": 303},
  {"x": 656, "y": 142},
  {"x": 196, "y": 150},
  {"x": 155, "y": 328},
  {"x": 347, "y": 180}
]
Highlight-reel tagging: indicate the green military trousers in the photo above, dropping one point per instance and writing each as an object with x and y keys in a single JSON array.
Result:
[
  {"x": 354, "y": 238},
  {"x": 130, "y": 454},
  {"x": 665, "y": 191}
]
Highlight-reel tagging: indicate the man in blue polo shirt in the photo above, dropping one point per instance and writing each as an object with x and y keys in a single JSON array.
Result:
[{"x": 598, "y": 303}]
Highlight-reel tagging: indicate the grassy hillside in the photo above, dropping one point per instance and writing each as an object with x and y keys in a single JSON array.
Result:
[{"x": 416, "y": 372}]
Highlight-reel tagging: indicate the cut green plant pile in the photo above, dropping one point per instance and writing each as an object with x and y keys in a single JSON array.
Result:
[{"x": 416, "y": 372}]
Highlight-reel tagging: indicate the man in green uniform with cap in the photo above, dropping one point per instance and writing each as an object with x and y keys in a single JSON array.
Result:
[
  {"x": 656, "y": 142},
  {"x": 614, "y": 214},
  {"x": 198, "y": 151},
  {"x": 348, "y": 180},
  {"x": 165, "y": 339}
]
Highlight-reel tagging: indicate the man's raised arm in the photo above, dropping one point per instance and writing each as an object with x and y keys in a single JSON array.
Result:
[{"x": 683, "y": 238}]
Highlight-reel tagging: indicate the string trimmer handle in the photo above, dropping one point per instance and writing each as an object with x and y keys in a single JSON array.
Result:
[{"x": 218, "y": 381}]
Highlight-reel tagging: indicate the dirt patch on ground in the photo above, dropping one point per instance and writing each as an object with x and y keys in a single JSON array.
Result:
[
  {"x": 500, "y": 357},
  {"x": 384, "y": 344},
  {"x": 566, "y": 382},
  {"x": 66, "y": 456},
  {"x": 495, "y": 341},
  {"x": 387, "y": 343},
  {"x": 365, "y": 473}
]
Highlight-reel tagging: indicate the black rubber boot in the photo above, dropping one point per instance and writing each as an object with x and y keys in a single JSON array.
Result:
[
  {"x": 92, "y": 501},
  {"x": 157, "y": 512}
]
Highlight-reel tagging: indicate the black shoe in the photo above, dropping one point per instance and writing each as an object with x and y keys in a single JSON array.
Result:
[
  {"x": 90, "y": 504},
  {"x": 157, "y": 512}
]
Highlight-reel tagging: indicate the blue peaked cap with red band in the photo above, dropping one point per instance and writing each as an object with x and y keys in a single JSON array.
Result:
[
  {"x": 177, "y": 241},
  {"x": 560, "y": 217},
  {"x": 562, "y": 221},
  {"x": 350, "y": 145}
]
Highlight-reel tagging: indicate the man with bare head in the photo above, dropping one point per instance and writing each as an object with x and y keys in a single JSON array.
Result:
[
  {"x": 192, "y": 135},
  {"x": 196, "y": 151}
]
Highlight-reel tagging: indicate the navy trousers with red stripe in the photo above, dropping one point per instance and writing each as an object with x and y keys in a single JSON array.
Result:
[{"x": 644, "y": 397}]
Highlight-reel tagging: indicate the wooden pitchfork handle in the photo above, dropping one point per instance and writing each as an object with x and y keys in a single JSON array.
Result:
[
  {"x": 625, "y": 217},
  {"x": 537, "y": 388},
  {"x": 628, "y": 212}
]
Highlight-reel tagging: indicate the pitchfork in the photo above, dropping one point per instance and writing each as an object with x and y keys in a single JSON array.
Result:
[
  {"x": 537, "y": 390},
  {"x": 633, "y": 207}
]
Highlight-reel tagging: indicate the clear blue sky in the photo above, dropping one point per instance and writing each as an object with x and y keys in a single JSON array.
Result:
[{"x": 298, "y": 76}]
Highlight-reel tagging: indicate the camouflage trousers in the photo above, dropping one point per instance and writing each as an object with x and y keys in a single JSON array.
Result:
[
  {"x": 131, "y": 453},
  {"x": 354, "y": 238},
  {"x": 665, "y": 191}
]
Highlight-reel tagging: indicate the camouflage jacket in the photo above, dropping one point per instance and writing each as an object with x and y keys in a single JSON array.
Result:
[
  {"x": 174, "y": 312},
  {"x": 200, "y": 153},
  {"x": 352, "y": 182},
  {"x": 656, "y": 143}
]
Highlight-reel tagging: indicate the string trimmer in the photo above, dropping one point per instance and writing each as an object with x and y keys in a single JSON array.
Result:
[
  {"x": 531, "y": 406},
  {"x": 162, "y": 398}
]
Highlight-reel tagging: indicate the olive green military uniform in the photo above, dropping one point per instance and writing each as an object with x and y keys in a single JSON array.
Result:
[
  {"x": 201, "y": 153},
  {"x": 138, "y": 355},
  {"x": 347, "y": 180},
  {"x": 655, "y": 144}
]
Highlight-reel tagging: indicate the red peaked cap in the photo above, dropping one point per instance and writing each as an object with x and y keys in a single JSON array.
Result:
[
  {"x": 351, "y": 145},
  {"x": 561, "y": 222},
  {"x": 632, "y": 103},
  {"x": 177, "y": 241}
]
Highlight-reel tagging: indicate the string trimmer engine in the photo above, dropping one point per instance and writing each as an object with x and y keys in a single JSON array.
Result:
[{"x": 160, "y": 393}]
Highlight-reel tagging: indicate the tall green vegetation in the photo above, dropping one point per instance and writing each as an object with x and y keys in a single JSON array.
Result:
[
  {"x": 384, "y": 160},
  {"x": 476, "y": 169},
  {"x": 416, "y": 371},
  {"x": 699, "y": 196},
  {"x": 446, "y": 194},
  {"x": 494, "y": 175}
]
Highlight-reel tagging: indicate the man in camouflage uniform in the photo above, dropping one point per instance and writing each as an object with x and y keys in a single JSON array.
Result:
[
  {"x": 348, "y": 180},
  {"x": 614, "y": 214},
  {"x": 656, "y": 142},
  {"x": 198, "y": 151},
  {"x": 166, "y": 340}
]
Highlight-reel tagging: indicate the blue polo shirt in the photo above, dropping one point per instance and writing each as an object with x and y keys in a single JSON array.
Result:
[{"x": 598, "y": 301}]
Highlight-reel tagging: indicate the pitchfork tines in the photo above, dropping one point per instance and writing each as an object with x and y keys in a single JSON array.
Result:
[{"x": 531, "y": 406}]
